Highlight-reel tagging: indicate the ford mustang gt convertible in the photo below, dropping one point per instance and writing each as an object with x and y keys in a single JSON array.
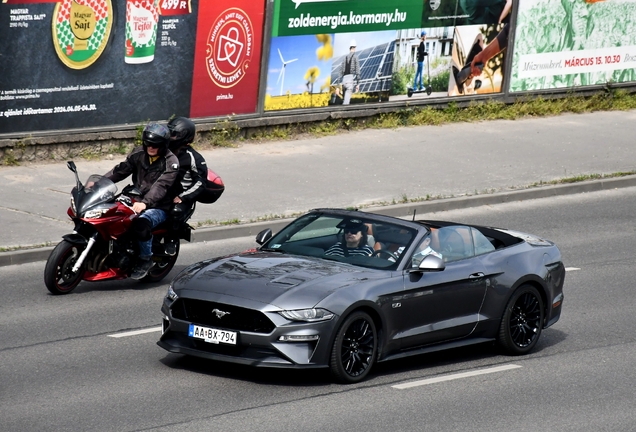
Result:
[{"x": 344, "y": 289}]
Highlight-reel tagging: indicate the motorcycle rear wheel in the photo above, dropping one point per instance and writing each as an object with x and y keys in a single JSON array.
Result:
[
  {"x": 58, "y": 276},
  {"x": 163, "y": 265}
]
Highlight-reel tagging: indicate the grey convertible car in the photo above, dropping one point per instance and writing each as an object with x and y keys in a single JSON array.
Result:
[{"x": 344, "y": 289}]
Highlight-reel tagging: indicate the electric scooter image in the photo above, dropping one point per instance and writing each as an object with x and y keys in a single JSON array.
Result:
[{"x": 427, "y": 88}]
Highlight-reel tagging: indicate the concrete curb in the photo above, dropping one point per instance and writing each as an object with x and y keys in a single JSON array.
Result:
[{"x": 399, "y": 210}]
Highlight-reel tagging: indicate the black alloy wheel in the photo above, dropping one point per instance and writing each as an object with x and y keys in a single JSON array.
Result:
[
  {"x": 354, "y": 349},
  {"x": 522, "y": 321},
  {"x": 58, "y": 275}
]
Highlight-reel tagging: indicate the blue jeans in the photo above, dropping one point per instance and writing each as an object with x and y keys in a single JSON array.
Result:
[
  {"x": 420, "y": 67},
  {"x": 155, "y": 216}
]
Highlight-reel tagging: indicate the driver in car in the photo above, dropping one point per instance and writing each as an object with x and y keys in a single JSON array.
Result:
[{"x": 355, "y": 241}]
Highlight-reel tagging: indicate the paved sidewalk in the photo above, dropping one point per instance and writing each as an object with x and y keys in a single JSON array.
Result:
[{"x": 348, "y": 170}]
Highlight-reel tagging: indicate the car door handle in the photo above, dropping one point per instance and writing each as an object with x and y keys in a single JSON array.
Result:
[{"x": 478, "y": 275}]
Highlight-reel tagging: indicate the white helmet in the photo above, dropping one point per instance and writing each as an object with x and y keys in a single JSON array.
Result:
[{"x": 353, "y": 43}]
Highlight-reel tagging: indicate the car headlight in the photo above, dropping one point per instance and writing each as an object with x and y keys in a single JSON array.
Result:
[
  {"x": 171, "y": 295},
  {"x": 308, "y": 315}
]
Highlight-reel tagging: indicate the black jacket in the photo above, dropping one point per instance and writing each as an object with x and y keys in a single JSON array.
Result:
[
  {"x": 421, "y": 52},
  {"x": 191, "y": 178},
  {"x": 152, "y": 180}
]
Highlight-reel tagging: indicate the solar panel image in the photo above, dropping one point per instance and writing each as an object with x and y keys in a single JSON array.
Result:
[{"x": 376, "y": 68}]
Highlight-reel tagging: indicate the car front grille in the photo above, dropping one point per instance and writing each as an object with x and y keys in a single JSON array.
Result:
[{"x": 235, "y": 318}]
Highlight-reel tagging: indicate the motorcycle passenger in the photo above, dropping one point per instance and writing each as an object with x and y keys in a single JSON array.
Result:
[
  {"x": 192, "y": 173},
  {"x": 154, "y": 169}
]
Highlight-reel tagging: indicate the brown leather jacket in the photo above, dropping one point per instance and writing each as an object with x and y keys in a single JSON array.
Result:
[{"x": 152, "y": 180}]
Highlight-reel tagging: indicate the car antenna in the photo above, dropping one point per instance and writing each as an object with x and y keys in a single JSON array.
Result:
[{"x": 414, "y": 210}]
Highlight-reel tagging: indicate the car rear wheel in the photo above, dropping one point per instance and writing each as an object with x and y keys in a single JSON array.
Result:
[
  {"x": 354, "y": 349},
  {"x": 522, "y": 321}
]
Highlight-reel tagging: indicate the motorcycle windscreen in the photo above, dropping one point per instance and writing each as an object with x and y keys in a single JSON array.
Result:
[{"x": 101, "y": 190}]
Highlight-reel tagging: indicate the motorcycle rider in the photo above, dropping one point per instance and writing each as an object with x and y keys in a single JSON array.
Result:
[
  {"x": 154, "y": 169},
  {"x": 192, "y": 173}
]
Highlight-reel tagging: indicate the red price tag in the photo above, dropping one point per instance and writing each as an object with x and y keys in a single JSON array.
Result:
[{"x": 174, "y": 7}]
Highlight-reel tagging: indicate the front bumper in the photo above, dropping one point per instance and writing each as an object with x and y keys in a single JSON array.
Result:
[{"x": 264, "y": 349}]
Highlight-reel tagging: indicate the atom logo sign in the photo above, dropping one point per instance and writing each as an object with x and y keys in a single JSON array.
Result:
[{"x": 229, "y": 47}]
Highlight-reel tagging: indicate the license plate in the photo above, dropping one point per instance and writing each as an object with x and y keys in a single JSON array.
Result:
[{"x": 212, "y": 335}]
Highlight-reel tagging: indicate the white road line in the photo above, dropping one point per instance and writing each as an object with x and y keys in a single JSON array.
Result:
[
  {"x": 455, "y": 376},
  {"x": 136, "y": 332},
  {"x": 571, "y": 269}
]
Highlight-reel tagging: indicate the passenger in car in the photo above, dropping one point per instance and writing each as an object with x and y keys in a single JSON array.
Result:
[
  {"x": 424, "y": 250},
  {"x": 354, "y": 241}
]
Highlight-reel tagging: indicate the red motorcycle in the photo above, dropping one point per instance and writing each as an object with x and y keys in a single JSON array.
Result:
[{"x": 100, "y": 247}]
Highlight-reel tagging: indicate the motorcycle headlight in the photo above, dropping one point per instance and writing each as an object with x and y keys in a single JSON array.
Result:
[
  {"x": 94, "y": 214},
  {"x": 73, "y": 207},
  {"x": 171, "y": 295},
  {"x": 307, "y": 315}
]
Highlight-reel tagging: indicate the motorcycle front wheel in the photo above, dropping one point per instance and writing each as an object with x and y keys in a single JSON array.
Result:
[
  {"x": 163, "y": 262},
  {"x": 58, "y": 275}
]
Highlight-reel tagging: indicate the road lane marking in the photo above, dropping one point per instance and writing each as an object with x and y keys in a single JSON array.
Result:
[
  {"x": 135, "y": 332},
  {"x": 455, "y": 376},
  {"x": 571, "y": 269}
]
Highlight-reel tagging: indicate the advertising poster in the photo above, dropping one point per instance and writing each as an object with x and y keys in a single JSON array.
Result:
[
  {"x": 73, "y": 64},
  {"x": 573, "y": 43},
  {"x": 327, "y": 52},
  {"x": 227, "y": 58}
]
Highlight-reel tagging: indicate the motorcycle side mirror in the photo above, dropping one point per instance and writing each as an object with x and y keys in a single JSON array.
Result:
[
  {"x": 72, "y": 167},
  {"x": 263, "y": 236}
]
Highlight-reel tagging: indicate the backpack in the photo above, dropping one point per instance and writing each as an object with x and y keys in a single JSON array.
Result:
[{"x": 214, "y": 188}]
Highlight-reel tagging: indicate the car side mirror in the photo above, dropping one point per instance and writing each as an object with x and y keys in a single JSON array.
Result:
[
  {"x": 263, "y": 236},
  {"x": 431, "y": 263}
]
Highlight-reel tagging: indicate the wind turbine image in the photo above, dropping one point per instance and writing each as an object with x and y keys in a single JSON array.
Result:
[{"x": 281, "y": 76}]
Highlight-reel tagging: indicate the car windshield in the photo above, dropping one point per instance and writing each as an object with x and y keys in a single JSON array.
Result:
[{"x": 355, "y": 239}]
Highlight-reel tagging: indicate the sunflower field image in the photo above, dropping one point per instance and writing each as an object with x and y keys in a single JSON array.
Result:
[
  {"x": 81, "y": 41},
  {"x": 299, "y": 72}
]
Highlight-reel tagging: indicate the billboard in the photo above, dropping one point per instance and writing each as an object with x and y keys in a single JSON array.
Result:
[
  {"x": 579, "y": 43},
  {"x": 72, "y": 64},
  {"x": 317, "y": 47}
]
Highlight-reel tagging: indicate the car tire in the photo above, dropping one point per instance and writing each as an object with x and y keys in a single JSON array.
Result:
[
  {"x": 522, "y": 321},
  {"x": 355, "y": 348}
]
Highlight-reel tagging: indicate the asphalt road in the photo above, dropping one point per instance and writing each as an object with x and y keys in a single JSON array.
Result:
[{"x": 61, "y": 371}]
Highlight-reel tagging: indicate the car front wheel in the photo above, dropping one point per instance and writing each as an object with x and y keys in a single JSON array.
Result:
[
  {"x": 522, "y": 321},
  {"x": 354, "y": 349}
]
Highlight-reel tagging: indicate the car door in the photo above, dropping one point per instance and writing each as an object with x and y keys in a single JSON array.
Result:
[{"x": 442, "y": 305}]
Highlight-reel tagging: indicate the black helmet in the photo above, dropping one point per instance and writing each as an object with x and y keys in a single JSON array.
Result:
[
  {"x": 182, "y": 132},
  {"x": 156, "y": 135}
]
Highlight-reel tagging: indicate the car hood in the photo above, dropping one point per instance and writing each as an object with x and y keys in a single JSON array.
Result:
[{"x": 285, "y": 281}]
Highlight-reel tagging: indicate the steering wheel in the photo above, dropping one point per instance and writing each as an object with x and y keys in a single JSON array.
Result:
[{"x": 380, "y": 252}]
